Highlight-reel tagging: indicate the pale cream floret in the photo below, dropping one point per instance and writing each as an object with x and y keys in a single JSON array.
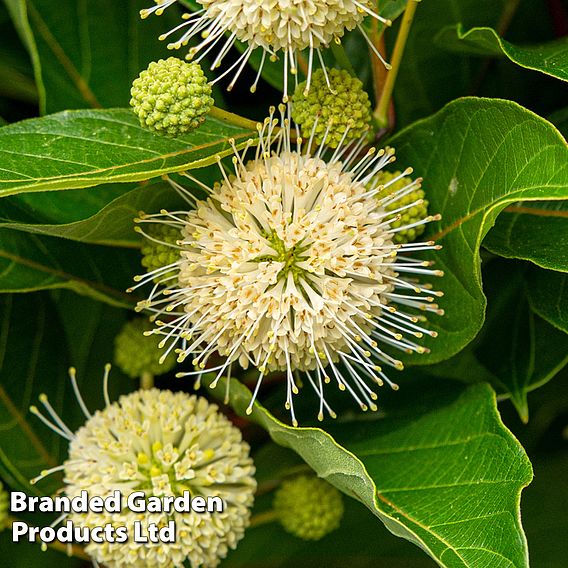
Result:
[
  {"x": 163, "y": 444},
  {"x": 289, "y": 265},
  {"x": 281, "y": 28},
  {"x": 244, "y": 292}
]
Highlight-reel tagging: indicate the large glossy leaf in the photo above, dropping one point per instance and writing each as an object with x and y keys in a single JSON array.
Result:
[
  {"x": 532, "y": 231},
  {"x": 88, "y": 147},
  {"x": 112, "y": 225},
  {"x": 548, "y": 296},
  {"x": 29, "y": 349},
  {"x": 77, "y": 47},
  {"x": 446, "y": 446},
  {"x": 31, "y": 262},
  {"x": 550, "y": 58},
  {"x": 359, "y": 541},
  {"x": 476, "y": 157},
  {"x": 430, "y": 76},
  {"x": 16, "y": 75},
  {"x": 38, "y": 342},
  {"x": 518, "y": 347}
]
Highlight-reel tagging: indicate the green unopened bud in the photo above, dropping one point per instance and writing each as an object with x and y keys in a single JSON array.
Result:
[
  {"x": 137, "y": 354},
  {"x": 408, "y": 216},
  {"x": 3, "y": 507},
  {"x": 157, "y": 255},
  {"x": 346, "y": 105},
  {"x": 171, "y": 96},
  {"x": 308, "y": 507}
]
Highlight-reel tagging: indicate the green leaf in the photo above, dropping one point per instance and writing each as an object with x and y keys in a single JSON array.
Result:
[
  {"x": 83, "y": 148},
  {"x": 548, "y": 296},
  {"x": 519, "y": 348},
  {"x": 39, "y": 340},
  {"x": 16, "y": 76},
  {"x": 550, "y": 58},
  {"x": 29, "y": 263},
  {"x": 359, "y": 541},
  {"x": 439, "y": 469},
  {"x": 532, "y": 231},
  {"x": 560, "y": 120},
  {"x": 76, "y": 47},
  {"x": 430, "y": 76},
  {"x": 391, "y": 9},
  {"x": 112, "y": 225},
  {"x": 476, "y": 156},
  {"x": 30, "y": 350}
]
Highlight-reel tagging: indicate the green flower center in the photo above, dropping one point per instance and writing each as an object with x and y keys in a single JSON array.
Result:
[{"x": 290, "y": 257}]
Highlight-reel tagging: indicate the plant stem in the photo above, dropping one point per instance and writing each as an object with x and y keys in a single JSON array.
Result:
[
  {"x": 341, "y": 57},
  {"x": 232, "y": 118},
  {"x": 146, "y": 381},
  {"x": 381, "y": 112},
  {"x": 263, "y": 518}
]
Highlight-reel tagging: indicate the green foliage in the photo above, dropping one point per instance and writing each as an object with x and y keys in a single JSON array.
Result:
[
  {"x": 436, "y": 465},
  {"x": 449, "y": 447},
  {"x": 469, "y": 194},
  {"x": 550, "y": 58},
  {"x": 101, "y": 146}
]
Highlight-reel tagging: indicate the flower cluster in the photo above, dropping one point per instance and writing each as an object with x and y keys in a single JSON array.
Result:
[
  {"x": 137, "y": 354},
  {"x": 171, "y": 97},
  {"x": 274, "y": 27},
  {"x": 290, "y": 264},
  {"x": 336, "y": 97},
  {"x": 308, "y": 507},
  {"x": 160, "y": 443},
  {"x": 412, "y": 215}
]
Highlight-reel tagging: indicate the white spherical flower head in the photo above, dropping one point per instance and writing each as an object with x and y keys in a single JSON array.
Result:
[
  {"x": 290, "y": 265},
  {"x": 287, "y": 26},
  {"x": 162, "y": 444}
]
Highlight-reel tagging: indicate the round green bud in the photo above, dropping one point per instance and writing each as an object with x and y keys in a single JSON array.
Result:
[
  {"x": 171, "y": 96},
  {"x": 157, "y": 255},
  {"x": 346, "y": 105},
  {"x": 3, "y": 507},
  {"x": 408, "y": 216},
  {"x": 137, "y": 354},
  {"x": 308, "y": 507}
]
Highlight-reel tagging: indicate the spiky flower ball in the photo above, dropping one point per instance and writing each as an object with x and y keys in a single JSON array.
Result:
[
  {"x": 278, "y": 27},
  {"x": 308, "y": 507},
  {"x": 159, "y": 250},
  {"x": 137, "y": 353},
  {"x": 171, "y": 96},
  {"x": 163, "y": 444},
  {"x": 336, "y": 106},
  {"x": 410, "y": 217},
  {"x": 289, "y": 265},
  {"x": 4, "y": 499}
]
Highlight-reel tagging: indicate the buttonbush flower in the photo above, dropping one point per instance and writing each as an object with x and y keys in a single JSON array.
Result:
[
  {"x": 417, "y": 212},
  {"x": 160, "y": 443},
  {"x": 290, "y": 265},
  {"x": 308, "y": 507},
  {"x": 347, "y": 106},
  {"x": 171, "y": 96},
  {"x": 280, "y": 26},
  {"x": 137, "y": 354}
]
